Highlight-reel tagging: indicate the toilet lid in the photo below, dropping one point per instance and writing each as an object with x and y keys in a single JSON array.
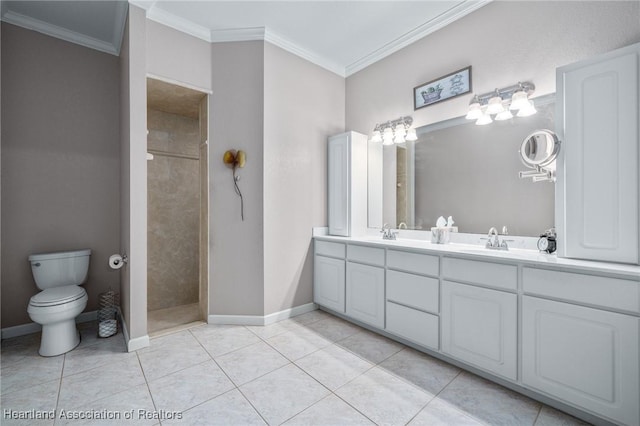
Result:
[{"x": 58, "y": 295}]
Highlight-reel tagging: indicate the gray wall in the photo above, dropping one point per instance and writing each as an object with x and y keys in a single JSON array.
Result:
[
  {"x": 60, "y": 161},
  {"x": 173, "y": 210},
  {"x": 303, "y": 104},
  {"x": 236, "y": 116},
  {"x": 504, "y": 41}
]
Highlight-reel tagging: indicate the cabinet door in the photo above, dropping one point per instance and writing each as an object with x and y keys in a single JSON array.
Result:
[
  {"x": 328, "y": 283},
  {"x": 584, "y": 356},
  {"x": 338, "y": 175},
  {"x": 479, "y": 326},
  {"x": 365, "y": 293},
  {"x": 597, "y": 191}
]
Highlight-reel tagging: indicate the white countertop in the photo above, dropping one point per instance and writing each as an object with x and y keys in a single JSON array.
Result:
[{"x": 479, "y": 251}]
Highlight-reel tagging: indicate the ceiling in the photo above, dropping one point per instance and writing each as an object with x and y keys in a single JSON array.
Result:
[{"x": 341, "y": 36}]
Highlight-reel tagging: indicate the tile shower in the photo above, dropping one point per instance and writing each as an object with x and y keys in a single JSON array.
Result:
[{"x": 173, "y": 216}]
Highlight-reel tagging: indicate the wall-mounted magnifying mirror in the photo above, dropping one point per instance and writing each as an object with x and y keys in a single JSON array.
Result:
[{"x": 539, "y": 151}]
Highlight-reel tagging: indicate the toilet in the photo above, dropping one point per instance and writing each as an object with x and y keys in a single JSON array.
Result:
[{"x": 59, "y": 276}]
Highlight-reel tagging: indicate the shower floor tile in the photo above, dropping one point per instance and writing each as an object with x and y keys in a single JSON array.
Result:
[{"x": 170, "y": 318}]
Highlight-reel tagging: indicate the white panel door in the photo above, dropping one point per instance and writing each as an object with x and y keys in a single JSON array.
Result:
[
  {"x": 338, "y": 185},
  {"x": 328, "y": 283},
  {"x": 479, "y": 326},
  {"x": 365, "y": 293},
  {"x": 598, "y": 167},
  {"x": 583, "y": 356}
]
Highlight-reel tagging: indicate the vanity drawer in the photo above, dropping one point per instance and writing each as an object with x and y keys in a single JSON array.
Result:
[
  {"x": 364, "y": 254},
  {"x": 328, "y": 248},
  {"x": 412, "y": 324},
  {"x": 607, "y": 292},
  {"x": 413, "y": 262},
  {"x": 484, "y": 273},
  {"x": 413, "y": 290}
]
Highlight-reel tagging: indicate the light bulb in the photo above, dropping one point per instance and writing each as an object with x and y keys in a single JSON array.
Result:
[
  {"x": 519, "y": 100},
  {"x": 400, "y": 130},
  {"x": 485, "y": 119},
  {"x": 411, "y": 135},
  {"x": 495, "y": 105},
  {"x": 387, "y": 136},
  {"x": 504, "y": 115},
  {"x": 398, "y": 139},
  {"x": 527, "y": 110},
  {"x": 475, "y": 112},
  {"x": 376, "y": 136}
]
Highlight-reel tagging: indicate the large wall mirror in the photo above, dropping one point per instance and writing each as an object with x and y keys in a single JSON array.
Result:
[{"x": 470, "y": 172}]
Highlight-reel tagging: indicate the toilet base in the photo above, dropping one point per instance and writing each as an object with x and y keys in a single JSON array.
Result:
[{"x": 59, "y": 338}]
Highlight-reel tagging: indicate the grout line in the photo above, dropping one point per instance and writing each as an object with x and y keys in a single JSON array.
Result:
[
  {"x": 538, "y": 415},
  {"x": 435, "y": 396},
  {"x": 55, "y": 420},
  {"x": 146, "y": 382}
]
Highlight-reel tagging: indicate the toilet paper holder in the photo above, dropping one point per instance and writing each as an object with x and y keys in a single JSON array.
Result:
[{"x": 117, "y": 261}]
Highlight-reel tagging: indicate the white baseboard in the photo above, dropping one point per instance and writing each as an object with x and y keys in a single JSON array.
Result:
[
  {"x": 32, "y": 327},
  {"x": 262, "y": 320},
  {"x": 132, "y": 344}
]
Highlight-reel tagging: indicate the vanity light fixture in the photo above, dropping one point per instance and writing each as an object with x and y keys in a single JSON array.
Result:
[
  {"x": 485, "y": 119},
  {"x": 504, "y": 115},
  {"x": 411, "y": 135},
  {"x": 501, "y": 102},
  {"x": 394, "y": 131},
  {"x": 494, "y": 106},
  {"x": 527, "y": 110},
  {"x": 475, "y": 111}
]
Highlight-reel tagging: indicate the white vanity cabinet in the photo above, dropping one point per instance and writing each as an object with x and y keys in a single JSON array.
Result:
[
  {"x": 562, "y": 329},
  {"x": 365, "y": 284},
  {"x": 478, "y": 324},
  {"x": 329, "y": 275},
  {"x": 347, "y": 184},
  {"x": 413, "y": 297},
  {"x": 598, "y": 189},
  {"x": 586, "y": 356}
]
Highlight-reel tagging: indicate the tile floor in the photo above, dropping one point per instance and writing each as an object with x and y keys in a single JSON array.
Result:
[{"x": 314, "y": 369}]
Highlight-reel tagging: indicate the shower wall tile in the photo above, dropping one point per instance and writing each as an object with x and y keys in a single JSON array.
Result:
[{"x": 173, "y": 211}]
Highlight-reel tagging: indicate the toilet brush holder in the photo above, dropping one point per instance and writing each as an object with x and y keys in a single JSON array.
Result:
[{"x": 107, "y": 314}]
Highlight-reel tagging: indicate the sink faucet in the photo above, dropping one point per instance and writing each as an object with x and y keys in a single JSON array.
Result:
[
  {"x": 493, "y": 241},
  {"x": 493, "y": 232},
  {"x": 388, "y": 233}
]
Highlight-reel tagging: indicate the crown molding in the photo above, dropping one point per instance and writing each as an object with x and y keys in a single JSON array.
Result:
[
  {"x": 416, "y": 34},
  {"x": 308, "y": 55},
  {"x": 175, "y": 22},
  {"x": 30, "y": 23},
  {"x": 264, "y": 34},
  {"x": 238, "y": 34}
]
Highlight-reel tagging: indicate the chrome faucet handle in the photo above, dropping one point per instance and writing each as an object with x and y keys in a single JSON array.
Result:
[
  {"x": 493, "y": 232},
  {"x": 488, "y": 244}
]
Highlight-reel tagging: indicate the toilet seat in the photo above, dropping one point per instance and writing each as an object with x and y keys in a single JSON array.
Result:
[{"x": 58, "y": 296}]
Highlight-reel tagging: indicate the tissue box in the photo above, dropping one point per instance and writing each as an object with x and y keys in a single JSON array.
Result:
[{"x": 441, "y": 235}]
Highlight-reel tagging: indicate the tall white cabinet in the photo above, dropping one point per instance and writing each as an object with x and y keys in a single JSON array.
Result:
[
  {"x": 597, "y": 191},
  {"x": 347, "y": 184}
]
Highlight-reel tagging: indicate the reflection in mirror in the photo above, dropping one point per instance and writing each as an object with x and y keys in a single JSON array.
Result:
[{"x": 470, "y": 172}]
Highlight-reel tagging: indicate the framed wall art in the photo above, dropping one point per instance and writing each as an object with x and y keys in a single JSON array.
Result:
[{"x": 447, "y": 87}]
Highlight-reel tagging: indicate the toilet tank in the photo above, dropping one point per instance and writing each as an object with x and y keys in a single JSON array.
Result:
[{"x": 60, "y": 268}]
